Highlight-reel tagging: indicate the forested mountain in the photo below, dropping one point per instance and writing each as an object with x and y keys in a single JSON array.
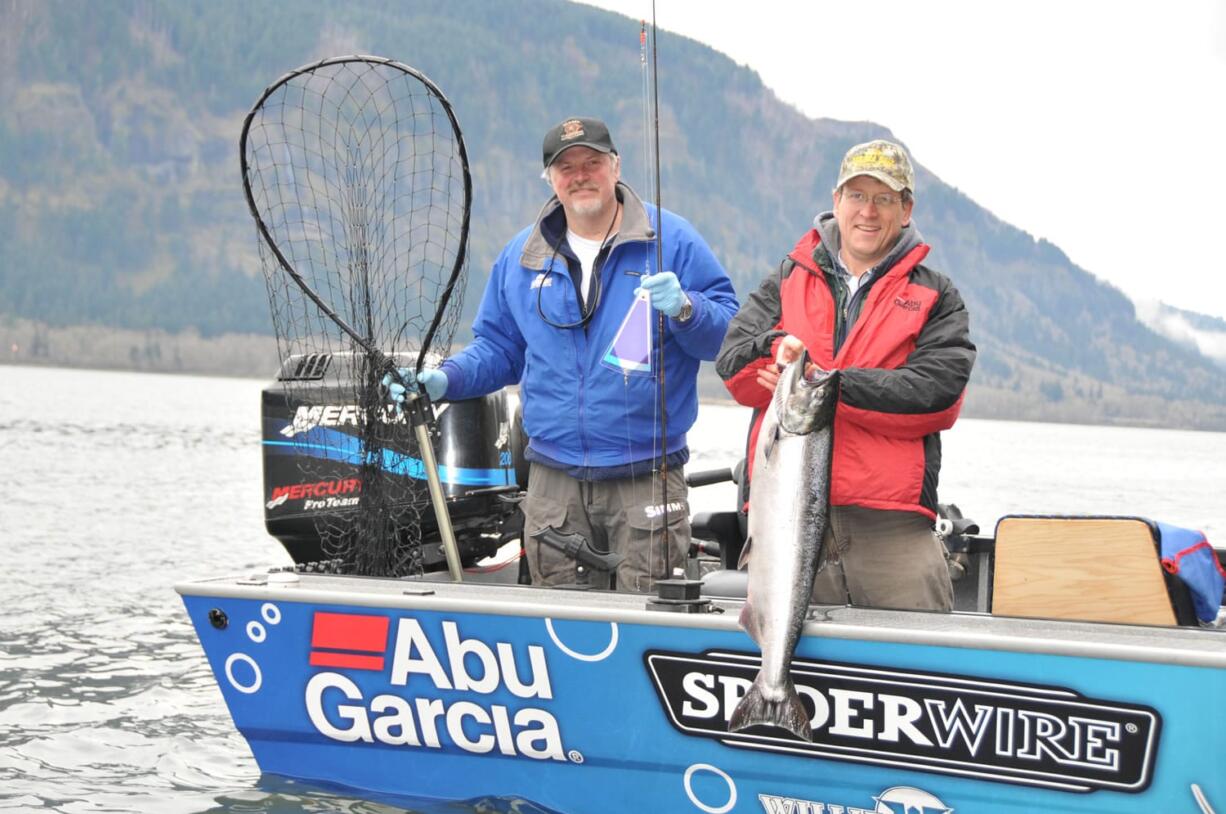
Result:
[
  {"x": 1204, "y": 334},
  {"x": 121, "y": 203}
]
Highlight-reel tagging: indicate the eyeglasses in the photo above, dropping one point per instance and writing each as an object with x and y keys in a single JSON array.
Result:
[
  {"x": 590, "y": 165},
  {"x": 859, "y": 199}
]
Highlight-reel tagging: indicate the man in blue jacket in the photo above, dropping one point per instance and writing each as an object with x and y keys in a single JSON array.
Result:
[{"x": 555, "y": 302}]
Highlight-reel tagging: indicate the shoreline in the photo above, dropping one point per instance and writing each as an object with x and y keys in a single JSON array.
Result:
[{"x": 704, "y": 400}]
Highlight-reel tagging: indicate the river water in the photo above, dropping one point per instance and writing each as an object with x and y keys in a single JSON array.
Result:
[{"x": 115, "y": 486}]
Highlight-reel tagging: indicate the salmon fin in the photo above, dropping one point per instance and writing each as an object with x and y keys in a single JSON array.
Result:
[
  {"x": 769, "y": 446},
  {"x": 749, "y": 621},
  {"x": 756, "y": 710},
  {"x": 742, "y": 562}
]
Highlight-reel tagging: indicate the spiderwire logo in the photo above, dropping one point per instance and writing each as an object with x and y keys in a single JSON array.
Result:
[{"x": 987, "y": 729}]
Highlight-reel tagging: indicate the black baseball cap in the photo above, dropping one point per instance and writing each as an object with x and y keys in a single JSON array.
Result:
[{"x": 577, "y": 132}]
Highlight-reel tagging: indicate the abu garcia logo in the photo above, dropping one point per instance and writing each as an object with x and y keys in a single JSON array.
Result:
[{"x": 416, "y": 714}]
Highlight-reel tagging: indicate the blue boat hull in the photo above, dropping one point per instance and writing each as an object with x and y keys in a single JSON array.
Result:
[{"x": 588, "y": 702}]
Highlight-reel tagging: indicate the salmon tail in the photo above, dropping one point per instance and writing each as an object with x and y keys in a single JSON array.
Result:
[{"x": 755, "y": 709}]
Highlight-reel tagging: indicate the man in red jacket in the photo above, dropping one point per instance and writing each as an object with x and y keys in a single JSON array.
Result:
[{"x": 855, "y": 293}]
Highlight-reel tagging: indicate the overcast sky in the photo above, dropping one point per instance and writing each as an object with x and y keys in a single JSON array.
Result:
[{"x": 1098, "y": 125}]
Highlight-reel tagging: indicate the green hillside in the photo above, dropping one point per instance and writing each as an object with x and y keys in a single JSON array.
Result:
[{"x": 121, "y": 205}]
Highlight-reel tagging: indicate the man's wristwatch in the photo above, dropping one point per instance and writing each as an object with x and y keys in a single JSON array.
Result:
[{"x": 687, "y": 311}]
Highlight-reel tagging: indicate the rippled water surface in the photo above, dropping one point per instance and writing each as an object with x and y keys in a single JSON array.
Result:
[{"x": 115, "y": 486}]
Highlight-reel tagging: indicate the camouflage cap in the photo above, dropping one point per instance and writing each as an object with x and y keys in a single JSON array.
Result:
[{"x": 880, "y": 159}]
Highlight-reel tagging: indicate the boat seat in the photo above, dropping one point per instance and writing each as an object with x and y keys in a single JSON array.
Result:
[{"x": 1093, "y": 569}]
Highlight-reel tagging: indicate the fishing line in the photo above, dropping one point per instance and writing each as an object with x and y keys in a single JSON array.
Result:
[
  {"x": 656, "y": 332},
  {"x": 648, "y": 184}
]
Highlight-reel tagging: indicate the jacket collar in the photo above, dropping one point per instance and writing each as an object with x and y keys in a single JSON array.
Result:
[
  {"x": 821, "y": 243},
  {"x": 549, "y": 231}
]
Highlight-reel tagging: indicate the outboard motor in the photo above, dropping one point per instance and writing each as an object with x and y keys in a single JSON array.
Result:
[{"x": 312, "y": 477}]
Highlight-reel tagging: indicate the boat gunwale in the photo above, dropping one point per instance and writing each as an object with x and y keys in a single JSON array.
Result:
[{"x": 1190, "y": 647}]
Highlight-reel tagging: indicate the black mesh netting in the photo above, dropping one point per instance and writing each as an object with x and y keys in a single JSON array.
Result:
[{"x": 356, "y": 174}]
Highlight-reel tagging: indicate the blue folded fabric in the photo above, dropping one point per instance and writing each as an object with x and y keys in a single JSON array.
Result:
[{"x": 1187, "y": 554}]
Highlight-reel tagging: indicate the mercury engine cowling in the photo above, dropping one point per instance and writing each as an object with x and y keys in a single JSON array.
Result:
[{"x": 313, "y": 480}]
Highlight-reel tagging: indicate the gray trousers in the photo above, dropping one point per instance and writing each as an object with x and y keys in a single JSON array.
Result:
[
  {"x": 883, "y": 559},
  {"x": 624, "y": 516}
]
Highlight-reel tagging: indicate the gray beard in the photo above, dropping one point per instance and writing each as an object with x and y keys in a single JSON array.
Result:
[{"x": 587, "y": 210}]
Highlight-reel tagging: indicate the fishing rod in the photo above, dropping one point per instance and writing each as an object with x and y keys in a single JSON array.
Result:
[{"x": 660, "y": 321}]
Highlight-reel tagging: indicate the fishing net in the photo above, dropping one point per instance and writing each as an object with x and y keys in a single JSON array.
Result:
[{"x": 356, "y": 174}]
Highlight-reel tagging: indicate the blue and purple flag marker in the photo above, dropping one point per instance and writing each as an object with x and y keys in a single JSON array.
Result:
[{"x": 630, "y": 351}]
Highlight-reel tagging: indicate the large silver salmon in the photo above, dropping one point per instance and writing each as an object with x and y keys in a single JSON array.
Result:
[{"x": 789, "y": 507}]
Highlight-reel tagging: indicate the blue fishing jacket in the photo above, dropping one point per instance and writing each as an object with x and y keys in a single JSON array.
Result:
[{"x": 580, "y": 413}]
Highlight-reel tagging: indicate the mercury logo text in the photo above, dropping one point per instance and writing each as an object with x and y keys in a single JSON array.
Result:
[
  {"x": 309, "y": 416},
  {"x": 324, "y": 494}
]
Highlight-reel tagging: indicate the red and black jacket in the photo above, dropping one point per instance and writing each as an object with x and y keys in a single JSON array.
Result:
[{"x": 905, "y": 363}]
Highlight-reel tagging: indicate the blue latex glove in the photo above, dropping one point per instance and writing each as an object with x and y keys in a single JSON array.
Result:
[
  {"x": 434, "y": 382},
  {"x": 665, "y": 291}
]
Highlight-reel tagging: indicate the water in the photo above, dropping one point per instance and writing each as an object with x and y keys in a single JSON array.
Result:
[{"x": 117, "y": 485}]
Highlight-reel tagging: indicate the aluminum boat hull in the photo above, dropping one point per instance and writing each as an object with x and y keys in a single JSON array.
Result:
[{"x": 590, "y": 702}]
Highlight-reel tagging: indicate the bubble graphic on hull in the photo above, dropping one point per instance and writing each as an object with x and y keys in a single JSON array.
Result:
[
  {"x": 703, "y": 806},
  {"x": 601, "y": 656}
]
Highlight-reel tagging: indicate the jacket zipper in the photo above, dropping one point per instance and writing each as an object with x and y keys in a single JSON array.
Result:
[{"x": 581, "y": 359}]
